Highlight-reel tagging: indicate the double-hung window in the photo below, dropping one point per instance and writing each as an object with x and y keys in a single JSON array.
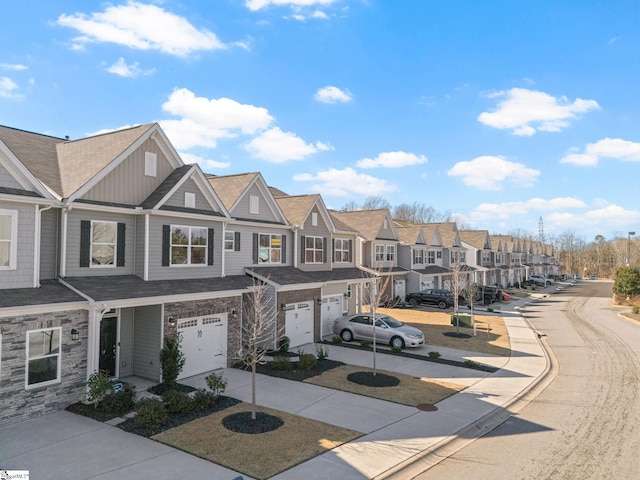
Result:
[
  {"x": 391, "y": 253},
  {"x": 432, "y": 257},
  {"x": 103, "y": 243},
  {"x": 341, "y": 250},
  {"x": 188, "y": 245},
  {"x": 379, "y": 253},
  {"x": 269, "y": 248},
  {"x": 418, "y": 256},
  {"x": 8, "y": 239},
  {"x": 43, "y": 357},
  {"x": 229, "y": 240},
  {"x": 313, "y": 249}
]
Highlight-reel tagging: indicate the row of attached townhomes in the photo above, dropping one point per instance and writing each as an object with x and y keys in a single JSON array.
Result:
[{"x": 109, "y": 243}]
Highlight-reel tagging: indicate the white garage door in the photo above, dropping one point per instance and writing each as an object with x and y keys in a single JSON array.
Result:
[
  {"x": 331, "y": 309},
  {"x": 204, "y": 343},
  {"x": 298, "y": 323}
]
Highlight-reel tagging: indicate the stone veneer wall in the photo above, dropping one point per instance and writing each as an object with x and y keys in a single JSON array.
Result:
[{"x": 16, "y": 402}]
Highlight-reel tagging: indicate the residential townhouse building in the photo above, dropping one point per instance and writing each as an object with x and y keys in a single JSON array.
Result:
[
  {"x": 479, "y": 255},
  {"x": 421, "y": 252}
]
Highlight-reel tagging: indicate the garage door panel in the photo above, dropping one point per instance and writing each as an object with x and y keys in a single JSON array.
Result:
[
  {"x": 331, "y": 309},
  {"x": 204, "y": 344},
  {"x": 298, "y": 323}
]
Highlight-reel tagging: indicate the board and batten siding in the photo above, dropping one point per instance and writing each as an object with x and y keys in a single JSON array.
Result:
[
  {"x": 139, "y": 246},
  {"x": 147, "y": 333},
  {"x": 237, "y": 260},
  {"x": 74, "y": 219},
  {"x": 265, "y": 214},
  {"x": 7, "y": 180},
  {"x": 22, "y": 275},
  {"x": 189, "y": 186},
  {"x": 159, "y": 272},
  {"x": 127, "y": 184},
  {"x": 49, "y": 244}
]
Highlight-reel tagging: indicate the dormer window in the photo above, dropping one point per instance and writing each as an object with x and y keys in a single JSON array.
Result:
[
  {"x": 314, "y": 219},
  {"x": 150, "y": 164},
  {"x": 254, "y": 204},
  {"x": 189, "y": 200}
]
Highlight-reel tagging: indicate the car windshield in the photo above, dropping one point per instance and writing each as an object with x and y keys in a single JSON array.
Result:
[{"x": 391, "y": 322}]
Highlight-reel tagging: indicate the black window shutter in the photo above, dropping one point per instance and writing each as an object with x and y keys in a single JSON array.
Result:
[
  {"x": 283, "y": 254},
  {"x": 351, "y": 250},
  {"x": 120, "y": 246},
  {"x": 333, "y": 249},
  {"x": 85, "y": 243},
  {"x": 210, "y": 247},
  {"x": 255, "y": 248},
  {"x": 166, "y": 245},
  {"x": 324, "y": 250},
  {"x": 303, "y": 249},
  {"x": 236, "y": 241}
]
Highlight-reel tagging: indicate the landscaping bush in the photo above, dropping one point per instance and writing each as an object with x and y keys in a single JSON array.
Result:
[
  {"x": 150, "y": 413},
  {"x": 322, "y": 353},
  {"x": 204, "y": 400},
  {"x": 171, "y": 360},
  {"x": 396, "y": 349},
  {"x": 177, "y": 402},
  {"x": 434, "y": 355},
  {"x": 635, "y": 310},
  {"x": 365, "y": 344},
  {"x": 336, "y": 339},
  {"x": 100, "y": 384},
  {"x": 307, "y": 361},
  {"x": 120, "y": 402},
  {"x": 283, "y": 345},
  {"x": 280, "y": 363},
  {"x": 216, "y": 383},
  {"x": 627, "y": 282}
]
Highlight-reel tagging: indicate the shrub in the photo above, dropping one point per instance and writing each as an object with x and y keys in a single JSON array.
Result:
[
  {"x": 336, "y": 339},
  {"x": 365, "y": 344},
  {"x": 396, "y": 349},
  {"x": 120, "y": 402},
  {"x": 489, "y": 309},
  {"x": 177, "y": 402},
  {"x": 322, "y": 353},
  {"x": 216, "y": 383},
  {"x": 203, "y": 400},
  {"x": 171, "y": 360},
  {"x": 307, "y": 361},
  {"x": 150, "y": 413},
  {"x": 100, "y": 384},
  {"x": 471, "y": 364},
  {"x": 283, "y": 345},
  {"x": 280, "y": 363},
  {"x": 635, "y": 309},
  {"x": 627, "y": 281},
  {"x": 434, "y": 355}
]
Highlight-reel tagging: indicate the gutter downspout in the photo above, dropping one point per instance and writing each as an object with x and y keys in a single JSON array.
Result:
[
  {"x": 295, "y": 246},
  {"x": 36, "y": 244}
]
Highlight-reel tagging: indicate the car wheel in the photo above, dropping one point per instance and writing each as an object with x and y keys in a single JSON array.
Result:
[
  {"x": 442, "y": 304},
  {"x": 413, "y": 301},
  {"x": 346, "y": 335},
  {"x": 397, "y": 342}
]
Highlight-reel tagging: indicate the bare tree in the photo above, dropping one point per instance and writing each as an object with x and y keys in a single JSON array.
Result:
[
  {"x": 350, "y": 206},
  {"x": 419, "y": 213},
  {"x": 375, "y": 202},
  {"x": 458, "y": 280},
  {"x": 374, "y": 294},
  {"x": 257, "y": 333}
]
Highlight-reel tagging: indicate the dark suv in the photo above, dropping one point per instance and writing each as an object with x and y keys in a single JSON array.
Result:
[
  {"x": 486, "y": 294},
  {"x": 441, "y": 298}
]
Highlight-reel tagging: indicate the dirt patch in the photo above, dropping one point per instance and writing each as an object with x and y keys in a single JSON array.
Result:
[
  {"x": 260, "y": 456},
  {"x": 411, "y": 391},
  {"x": 491, "y": 337}
]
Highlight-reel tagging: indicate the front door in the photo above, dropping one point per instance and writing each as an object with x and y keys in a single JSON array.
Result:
[{"x": 108, "y": 344}]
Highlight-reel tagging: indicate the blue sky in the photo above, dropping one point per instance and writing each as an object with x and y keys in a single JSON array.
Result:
[{"x": 500, "y": 112}]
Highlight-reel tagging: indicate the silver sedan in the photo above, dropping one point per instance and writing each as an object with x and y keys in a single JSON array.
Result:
[{"x": 387, "y": 330}]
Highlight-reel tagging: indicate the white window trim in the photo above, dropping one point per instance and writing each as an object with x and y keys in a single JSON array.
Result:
[
  {"x": 429, "y": 257},
  {"x": 189, "y": 200},
  {"x": 115, "y": 246},
  {"x": 270, "y": 248},
  {"x": 343, "y": 250},
  {"x": 233, "y": 241},
  {"x": 13, "y": 241},
  {"x": 390, "y": 249},
  {"x": 150, "y": 164},
  {"x": 382, "y": 253},
  {"x": 58, "y": 378},
  {"x": 418, "y": 259},
  {"x": 254, "y": 204},
  {"x": 314, "y": 219},
  {"x": 188, "y": 247},
  {"x": 313, "y": 249}
]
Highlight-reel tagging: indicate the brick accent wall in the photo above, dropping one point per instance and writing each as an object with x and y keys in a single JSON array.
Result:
[{"x": 16, "y": 402}]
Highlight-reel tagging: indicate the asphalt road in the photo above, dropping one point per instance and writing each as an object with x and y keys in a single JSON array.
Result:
[{"x": 586, "y": 423}]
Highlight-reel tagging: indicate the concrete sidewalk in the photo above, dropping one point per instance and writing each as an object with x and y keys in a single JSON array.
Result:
[{"x": 397, "y": 437}]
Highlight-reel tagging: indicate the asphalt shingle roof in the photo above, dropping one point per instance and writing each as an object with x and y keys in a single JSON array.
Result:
[{"x": 50, "y": 291}]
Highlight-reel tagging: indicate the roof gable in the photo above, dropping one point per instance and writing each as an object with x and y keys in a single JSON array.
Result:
[
  {"x": 298, "y": 209},
  {"x": 370, "y": 223}
]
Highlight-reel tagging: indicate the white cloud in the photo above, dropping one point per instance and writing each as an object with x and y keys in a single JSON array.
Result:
[
  {"x": 13, "y": 66},
  {"x": 492, "y": 172},
  {"x": 8, "y": 88},
  {"x": 613, "y": 216},
  {"x": 205, "y": 164},
  {"x": 615, "y": 148},
  {"x": 130, "y": 71},
  {"x": 331, "y": 94},
  {"x": 502, "y": 211},
  {"x": 255, "y": 5},
  {"x": 527, "y": 111},
  {"x": 205, "y": 120},
  {"x": 392, "y": 160},
  {"x": 277, "y": 146},
  {"x": 143, "y": 27},
  {"x": 345, "y": 182}
]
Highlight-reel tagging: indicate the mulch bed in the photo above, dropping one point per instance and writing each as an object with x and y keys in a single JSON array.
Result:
[
  {"x": 370, "y": 380},
  {"x": 243, "y": 423},
  {"x": 89, "y": 410},
  {"x": 295, "y": 373},
  {"x": 161, "y": 388}
]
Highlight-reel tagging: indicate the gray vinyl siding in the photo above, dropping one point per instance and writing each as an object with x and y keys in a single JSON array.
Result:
[
  {"x": 127, "y": 183},
  {"x": 405, "y": 256},
  {"x": 73, "y": 243},
  {"x": 147, "y": 334},
  {"x": 7, "y": 180},
  {"x": 177, "y": 199},
  {"x": 22, "y": 276},
  {"x": 49, "y": 244},
  {"x": 158, "y": 272},
  {"x": 127, "y": 340},
  {"x": 334, "y": 289},
  {"x": 387, "y": 233},
  {"x": 265, "y": 214},
  {"x": 320, "y": 230},
  {"x": 236, "y": 261}
]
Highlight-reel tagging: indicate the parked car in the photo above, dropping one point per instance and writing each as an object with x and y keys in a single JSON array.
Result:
[
  {"x": 432, "y": 296},
  {"x": 505, "y": 297},
  {"x": 484, "y": 293},
  {"x": 388, "y": 330},
  {"x": 541, "y": 280}
]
